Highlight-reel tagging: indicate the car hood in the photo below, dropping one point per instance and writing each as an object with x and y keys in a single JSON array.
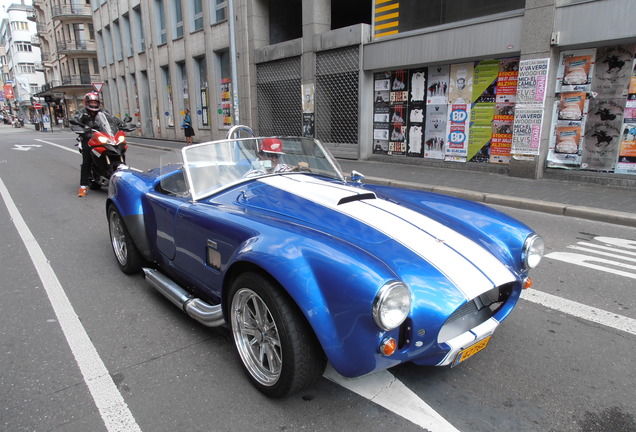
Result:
[{"x": 379, "y": 226}]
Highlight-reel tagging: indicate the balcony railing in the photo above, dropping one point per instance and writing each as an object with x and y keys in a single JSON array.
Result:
[
  {"x": 76, "y": 46},
  {"x": 72, "y": 80},
  {"x": 71, "y": 10}
]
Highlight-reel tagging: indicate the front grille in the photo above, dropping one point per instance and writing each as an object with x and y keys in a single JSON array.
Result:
[{"x": 475, "y": 312}]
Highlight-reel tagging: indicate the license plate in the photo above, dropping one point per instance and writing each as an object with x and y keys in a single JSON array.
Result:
[{"x": 470, "y": 351}]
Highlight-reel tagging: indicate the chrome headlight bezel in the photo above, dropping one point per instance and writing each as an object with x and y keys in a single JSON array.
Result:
[
  {"x": 392, "y": 305},
  {"x": 533, "y": 249}
]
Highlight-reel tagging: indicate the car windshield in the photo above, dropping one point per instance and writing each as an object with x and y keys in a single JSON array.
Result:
[{"x": 212, "y": 166}]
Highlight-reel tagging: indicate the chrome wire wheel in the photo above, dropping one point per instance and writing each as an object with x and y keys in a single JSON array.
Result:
[
  {"x": 118, "y": 238},
  {"x": 256, "y": 336}
]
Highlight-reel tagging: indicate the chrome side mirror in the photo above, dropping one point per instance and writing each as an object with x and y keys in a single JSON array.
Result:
[{"x": 356, "y": 176}]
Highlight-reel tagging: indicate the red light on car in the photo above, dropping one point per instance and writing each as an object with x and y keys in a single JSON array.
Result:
[
  {"x": 527, "y": 283},
  {"x": 388, "y": 346}
]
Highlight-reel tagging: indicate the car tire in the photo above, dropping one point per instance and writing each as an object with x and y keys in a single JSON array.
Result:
[
  {"x": 278, "y": 348},
  {"x": 128, "y": 257}
]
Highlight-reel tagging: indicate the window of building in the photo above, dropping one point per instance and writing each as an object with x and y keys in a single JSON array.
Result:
[
  {"x": 160, "y": 18},
  {"x": 119, "y": 55},
  {"x": 26, "y": 68},
  {"x": 108, "y": 45},
  {"x": 100, "y": 50},
  {"x": 285, "y": 20},
  {"x": 126, "y": 36},
  {"x": 196, "y": 6},
  {"x": 138, "y": 31},
  {"x": 19, "y": 25},
  {"x": 350, "y": 12},
  {"x": 182, "y": 86},
  {"x": 166, "y": 96},
  {"x": 203, "y": 97},
  {"x": 223, "y": 88},
  {"x": 177, "y": 19},
  {"x": 23, "y": 46},
  {"x": 218, "y": 11}
]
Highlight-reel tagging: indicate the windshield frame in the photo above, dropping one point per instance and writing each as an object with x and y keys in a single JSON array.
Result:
[{"x": 214, "y": 166}]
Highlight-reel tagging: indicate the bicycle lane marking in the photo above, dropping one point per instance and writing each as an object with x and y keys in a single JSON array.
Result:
[{"x": 110, "y": 403}]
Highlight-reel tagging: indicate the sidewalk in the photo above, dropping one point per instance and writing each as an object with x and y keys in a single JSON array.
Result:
[{"x": 616, "y": 205}]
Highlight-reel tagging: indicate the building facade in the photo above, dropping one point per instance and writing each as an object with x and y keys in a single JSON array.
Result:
[
  {"x": 69, "y": 55},
  {"x": 21, "y": 77},
  {"x": 535, "y": 88}
]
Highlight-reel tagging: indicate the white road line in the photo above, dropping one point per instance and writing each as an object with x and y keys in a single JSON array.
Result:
[
  {"x": 74, "y": 150},
  {"x": 579, "y": 310},
  {"x": 387, "y": 391},
  {"x": 589, "y": 262},
  {"x": 112, "y": 407},
  {"x": 600, "y": 252}
]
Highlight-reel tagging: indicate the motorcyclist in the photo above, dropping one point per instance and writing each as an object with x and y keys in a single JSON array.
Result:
[{"x": 87, "y": 117}]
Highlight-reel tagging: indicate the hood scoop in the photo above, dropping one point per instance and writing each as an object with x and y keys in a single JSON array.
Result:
[{"x": 357, "y": 197}]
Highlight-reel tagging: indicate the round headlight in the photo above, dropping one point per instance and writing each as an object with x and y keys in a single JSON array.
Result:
[
  {"x": 533, "y": 250},
  {"x": 391, "y": 305}
]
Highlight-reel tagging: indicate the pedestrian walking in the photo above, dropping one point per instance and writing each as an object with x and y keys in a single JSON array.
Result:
[{"x": 186, "y": 124}]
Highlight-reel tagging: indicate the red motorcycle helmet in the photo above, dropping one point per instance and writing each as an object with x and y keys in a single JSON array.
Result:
[{"x": 92, "y": 102}]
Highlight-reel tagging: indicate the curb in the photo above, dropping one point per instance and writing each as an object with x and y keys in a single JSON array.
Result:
[{"x": 581, "y": 212}]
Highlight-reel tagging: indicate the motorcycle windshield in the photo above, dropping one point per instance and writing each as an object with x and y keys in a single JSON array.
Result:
[{"x": 103, "y": 124}]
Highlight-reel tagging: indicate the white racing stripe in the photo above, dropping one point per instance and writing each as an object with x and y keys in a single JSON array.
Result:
[
  {"x": 457, "y": 257},
  {"x": 110, "y": 403}
]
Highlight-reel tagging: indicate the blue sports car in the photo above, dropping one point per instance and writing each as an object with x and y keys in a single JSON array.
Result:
[{"x": 267, "y": 236}]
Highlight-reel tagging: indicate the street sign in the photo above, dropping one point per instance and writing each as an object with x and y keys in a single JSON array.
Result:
[
  {"x": 37, "y": 105},
  {"x": 98, "y": 86}
]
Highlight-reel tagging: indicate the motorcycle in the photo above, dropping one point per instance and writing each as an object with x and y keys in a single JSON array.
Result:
[{"x": 108, "y": 148}]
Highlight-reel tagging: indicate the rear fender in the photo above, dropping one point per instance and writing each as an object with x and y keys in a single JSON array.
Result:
[{"x": 125, "y": 192}]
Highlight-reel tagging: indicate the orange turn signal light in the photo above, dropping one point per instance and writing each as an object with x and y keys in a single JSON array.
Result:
[
  {"x": 388, "y": 346},
  {"x": 527, "y": 283}
]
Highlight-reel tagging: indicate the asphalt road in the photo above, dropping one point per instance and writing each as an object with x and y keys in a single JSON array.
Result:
[{"x": 563, "y": 360}]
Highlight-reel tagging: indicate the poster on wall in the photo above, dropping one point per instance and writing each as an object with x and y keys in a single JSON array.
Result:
[
  {"x": 602, "y": 134},
  {"x": 566, "y": 142},
  {"x": 576, "y": 69},
  {"x": 416, "y": 112},
  {"x": 502, "y": 125},
  {"x": 532, "y": 81},
  {"x": 507, "y": 80},
  {"x": 457, "y": 133},
  {"x": 437, "y": 90},
  {"x": 398, "y": 110},
  {"x": 612, "y": 71},
  {"x": 481, "y": 117},
  {"x": 381, "y": 115},
  {"x": 461, "y": 83},
  {"x": 526, "y": 131},
  {"x": 435, "y": 131},
  {"x": 626, "y": 163}
]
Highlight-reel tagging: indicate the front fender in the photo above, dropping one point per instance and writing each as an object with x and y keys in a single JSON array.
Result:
[{"x": 334, "y": 285}]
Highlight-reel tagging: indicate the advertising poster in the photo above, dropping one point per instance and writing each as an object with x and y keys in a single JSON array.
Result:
[
  {"x": 576, "y": 69},
  {"x": 461, "y": 83},
  {"x": 502, "y": 125},
  {"x": 457, "y": 133},
  {"x": 485, "y": 76},
  {"x": 437, "y": 90},
  {"x": 626, "y": 163},
  {"x": 8, "y": 91},
  {"x": 566, "y": 142},
  {"x": 507, "y": 80},
  {"x": 381, "y": 115},
  {"x": 481, "y": 117},
  {"x": 398, "y": 110},
  {"x": 572, "y": 106},
  {"x": 435, "y": 131},
  {"x": 631, "y": 89},
  {"x": 418, "y": 86},
  {"x": 602, "y": 134},
  {"x": 532, "y": 81},
  {"x": 612, "y": 70},
  {"x": 526, "y": 131},
  {"x": 226, "y": 102}
]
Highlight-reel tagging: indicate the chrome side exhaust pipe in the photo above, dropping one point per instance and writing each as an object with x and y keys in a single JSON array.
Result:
[{"x": 205, "y": 313}]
